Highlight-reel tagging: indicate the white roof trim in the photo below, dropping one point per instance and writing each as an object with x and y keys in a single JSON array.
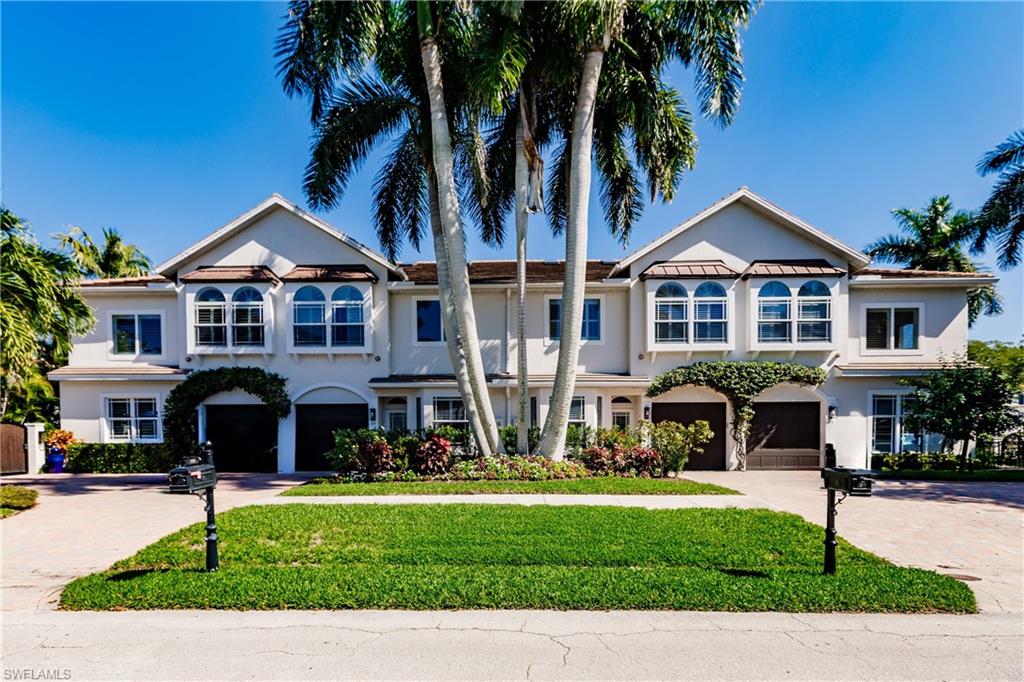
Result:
[
  {"x": 243, "y": 221},
  {"x": 920, "y": 282},
  {"x": 762, "y": 205}
]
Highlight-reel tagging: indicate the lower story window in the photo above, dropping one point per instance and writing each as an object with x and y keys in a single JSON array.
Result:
[
  {"x": 620, "y": 420},
  {"x": 450, "y": 412},
  {"x": 577, "y": 413},
  {"x": 888, "y": 435},
  {"x": 132, "y": 419}
]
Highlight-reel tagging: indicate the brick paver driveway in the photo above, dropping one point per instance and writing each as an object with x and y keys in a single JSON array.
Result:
[{"x": 972, "y": 529}]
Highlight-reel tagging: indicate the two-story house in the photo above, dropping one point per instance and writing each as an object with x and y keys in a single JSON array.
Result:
[{"x": 360, "y": 340}]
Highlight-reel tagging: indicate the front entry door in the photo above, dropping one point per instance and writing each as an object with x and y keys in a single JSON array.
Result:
[{"x": 713, "y": 457}]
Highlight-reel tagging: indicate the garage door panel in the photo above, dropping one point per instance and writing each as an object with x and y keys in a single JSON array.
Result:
[
  {"x": 244, "y": 437},
  {"x": 713, "y": 457},
  {"x": 314, "y": 431},
  {"x": 785, "y": 435}
]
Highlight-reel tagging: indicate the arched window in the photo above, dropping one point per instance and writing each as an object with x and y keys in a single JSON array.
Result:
[
  {"x": 210, "y": 318},
  {"x": 247, "y": 317},
  {"x": 347, "y": 317},
  {"x": 774, "y": 313},
  {"x": 671, "y": 314},
  {"x": 814, "y": 313},
  {"x": 710, "y": 314},
  {"x": 309, "y": 318}
]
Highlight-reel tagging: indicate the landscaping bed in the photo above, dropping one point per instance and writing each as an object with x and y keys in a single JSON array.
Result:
[
  {"x": 508, "y": 556},
  {"x": 597, "y": 485},
  {"x": 989, "y": 475},
  {"x": 16, "y": 498}
]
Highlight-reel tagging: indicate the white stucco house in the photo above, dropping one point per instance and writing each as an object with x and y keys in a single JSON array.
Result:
[{"x": 359, "y": 338}]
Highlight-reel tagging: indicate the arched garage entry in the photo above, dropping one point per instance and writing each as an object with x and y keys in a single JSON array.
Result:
[
  {"x": 319, "y": 411},
  {"x": 242, "y": 430},
  {"x": 788, "y": 429}
]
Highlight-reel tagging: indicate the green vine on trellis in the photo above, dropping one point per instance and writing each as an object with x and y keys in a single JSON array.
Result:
[
  {"x": 740, "y": 381},
  {"x": 180, "y": 407}
]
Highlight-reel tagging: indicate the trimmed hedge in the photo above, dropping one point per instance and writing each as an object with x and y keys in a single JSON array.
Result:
[
  {"x": 119, "y": 458},
  {"x": 17, "y": 497}
]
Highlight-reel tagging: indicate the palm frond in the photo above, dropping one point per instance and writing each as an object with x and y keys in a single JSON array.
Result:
[
  {"x": 891, "y": 249},
  {"x": 558, "y": 189},
  {"x": 400, "y": 197},
  {"x": 1006, "y": 154}
]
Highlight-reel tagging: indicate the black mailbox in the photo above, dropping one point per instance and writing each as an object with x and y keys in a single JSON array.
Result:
[
  {"x": 856, "y": 482},
  {"x": 195, "y": 473}
]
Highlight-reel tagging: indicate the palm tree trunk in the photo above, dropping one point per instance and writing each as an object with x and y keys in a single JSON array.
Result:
[
  {"x": 522, "y": 221},
  {"x": 451, "y": 330},
  {"x": 455, "y": 247},
  {"x": 552, "y": 442}
]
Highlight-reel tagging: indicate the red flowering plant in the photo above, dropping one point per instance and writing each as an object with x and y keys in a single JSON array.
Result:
[{"x": 433, "y": 456}]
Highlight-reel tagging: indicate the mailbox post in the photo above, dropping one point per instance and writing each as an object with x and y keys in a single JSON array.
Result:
[
  {"x": 856, "y": 482},
  {"x": 196, "y": 475}
]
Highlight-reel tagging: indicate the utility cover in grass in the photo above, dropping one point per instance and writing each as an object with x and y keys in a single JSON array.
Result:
[{"x": 512, "y": 557}]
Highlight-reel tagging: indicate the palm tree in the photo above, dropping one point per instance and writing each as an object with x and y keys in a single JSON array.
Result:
[
  {"x": 1002, "y": 216},
  {"x": 116, "y": 258},
  {"x": 315, "y": 49},
  {"x": 41, "y": 305},
  {"x": 703, "y": 34},
  {"x": 933, "y": 239}
]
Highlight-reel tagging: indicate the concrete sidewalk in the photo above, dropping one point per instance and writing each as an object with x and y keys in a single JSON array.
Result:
[{"x": 503, "y": 645}]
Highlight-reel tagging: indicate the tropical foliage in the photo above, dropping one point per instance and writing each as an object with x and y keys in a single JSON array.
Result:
[
  {"x": 40, "y": 310},
  {"x": 1005, "y": 357},
  {"x": 963, "y": 402},
  {"x": 1001, "y": 218},
  {"x": 740, "y": 382},
  {"x": 115, "y": 258},
  {"x": 180, "y": 408},
  {"x": 933, "y": 239}
]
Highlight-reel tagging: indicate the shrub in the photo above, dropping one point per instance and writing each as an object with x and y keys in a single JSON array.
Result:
[
  {"x": 508, "y": 438},
  {"x": 17, "y": 497},
  {"x": 433, "y": 457},
  {"x": 119, "y": 458},
  {"x": 59, "y": 439},
  {"x": 917, "y": 461},
  {"x": 363, "y": 451},
  {"x": 643, "y": 461},
  {"x": 515, "y": 468},
  {"x": 578, "y": 437},
  {"x": 677, "y": 442},
  {"x": 623, "y": 438}
]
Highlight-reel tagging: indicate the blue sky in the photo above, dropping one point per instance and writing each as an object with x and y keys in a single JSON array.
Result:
[{"x": 166, "y": 120}]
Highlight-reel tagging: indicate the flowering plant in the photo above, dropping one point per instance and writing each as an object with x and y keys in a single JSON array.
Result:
[{"x": 59, "y": 439}]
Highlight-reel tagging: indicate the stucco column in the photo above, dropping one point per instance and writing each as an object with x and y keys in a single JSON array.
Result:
[
  {"x": 286, "y": 444},
  {"x": 36, "y": 449}
]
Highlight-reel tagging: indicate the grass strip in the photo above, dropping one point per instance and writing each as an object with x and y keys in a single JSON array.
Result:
[{"x": 601, "y": 485}]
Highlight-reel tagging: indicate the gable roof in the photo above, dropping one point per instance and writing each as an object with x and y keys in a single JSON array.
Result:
[
  {"x": 689, "y": 269},
  {"x": 262, "y": 209},
  {"x": 804, "y": 267},
  {"x": 330, "y": 273},
  {"x": 231, "y": 273},
  {"x": 764, "y": 207}
]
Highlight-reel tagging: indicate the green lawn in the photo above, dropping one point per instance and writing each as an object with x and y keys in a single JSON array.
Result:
[
  {"x": 600, "y": 485},
  {"x": 1008, "y": 475},
  {"x": 496, "y": 556}
]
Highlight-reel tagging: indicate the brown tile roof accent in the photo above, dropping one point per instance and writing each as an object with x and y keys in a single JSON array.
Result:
[
  {"x": 813, "y": 267},
  {"x": 426, "y": 378},
  {"x": 125, "y": 370},
  {"x": 689, "y": 269},
  {"x": 231, "y": 273},
  {"x": 910, "y": 272},
  {"x": 125, "y": 281},
  {"x": 504, "y": 271},
  {"x": 330, "y": 273}
]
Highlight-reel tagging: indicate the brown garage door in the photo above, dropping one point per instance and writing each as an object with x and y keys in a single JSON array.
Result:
[
  {"x": 244, "y": 437},
  {"x": 785, "y": 436},
  {"x": 314, "y": 431},
  {"x": 713, "y": 457}
]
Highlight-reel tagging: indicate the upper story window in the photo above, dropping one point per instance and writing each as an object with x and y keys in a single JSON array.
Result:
[
  {"x": 347, "y": 317},
  {"x": 136, "y": 334},
  {"x": 211, "y": 318},
  {"x": 671, "y": 312},
  {"x": 814, "y": 313},
  {"x": 892, "y": 328},
  {"x": 591, "y": 319},
  {"x": 710, "y": 314},
  {"x": 429, "y": 328},
  {"x": 774, "y": 313},
  {"x": 309, "y": 317},
  {"x": 247, "y": 317}
]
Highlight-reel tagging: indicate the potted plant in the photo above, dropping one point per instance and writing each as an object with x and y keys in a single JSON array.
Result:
[{"x": 57, "y": 442}]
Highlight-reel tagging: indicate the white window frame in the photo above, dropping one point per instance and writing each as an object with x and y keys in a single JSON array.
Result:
[
  {"x": 250, "y": 305},
  {"x": 684, "y": 301},
  {"x": 415, "y": 320},
  {"x": 628, "y": 414},
  {"x": 891, "y": 306},
  {"x": 327, "y": 289},
  {"x": 793, "y": 284},
  {"x": 583, "y": 403},
  {"x": 900, "y": 394},
  {"x": 601, "y": 326},
  {"x": 435, "y": 421},
  {"x": 774, "y": 300},
  {"x": 136, "y": 356},
  {"x": 691, "y": 345},
  {"x": 228, "y": 289},
  {"x": 106, "y": 432}
]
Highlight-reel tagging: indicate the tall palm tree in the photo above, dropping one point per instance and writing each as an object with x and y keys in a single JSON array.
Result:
[
  {"x": 705, "y": 35},
  {"x": 324, "y": 43},
  {"x": 933, "y": 239},
  {"x": 1002, "y": 216},
  {"x": 40, "y": 305},
  {"x": 116, "y": 258}
]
